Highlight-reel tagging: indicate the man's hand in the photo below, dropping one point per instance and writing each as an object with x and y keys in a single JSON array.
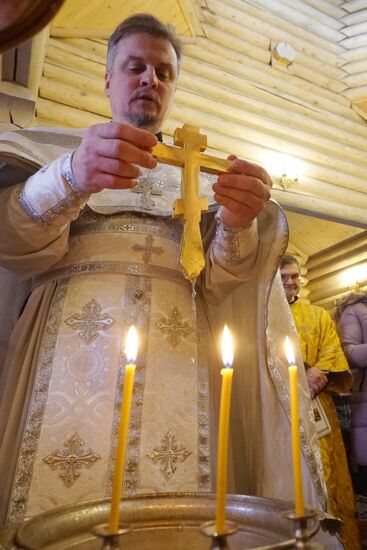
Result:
[
  {"x": 243, "y": 192},
  {"x": 109, "y": 156},
  {"x": 317, "y": 380}
]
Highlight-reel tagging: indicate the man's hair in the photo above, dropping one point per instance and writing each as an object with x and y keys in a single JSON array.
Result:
[
  {"x": 143, "y": 23},
  {"x": 288, "y": 259}
]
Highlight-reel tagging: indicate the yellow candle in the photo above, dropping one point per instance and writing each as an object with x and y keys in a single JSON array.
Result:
[
  {"x": 118, "y": 477},
  {"x": 224, "y": 412},
  {"x": 296, "y": 440}
]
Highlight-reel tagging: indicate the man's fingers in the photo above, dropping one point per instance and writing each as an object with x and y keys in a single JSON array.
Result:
[
  {"x": 110, "y": 181},
  {"x": 118, "y": 168},
  {"x": 124, "y": 151},
  {"x": 247, "y": 203},
  {"x": 236, "y": 184},
  {"x": 248, "y": 168},
  {"x": 110, "y": 156},
  {"x": 115, "y": 130}
]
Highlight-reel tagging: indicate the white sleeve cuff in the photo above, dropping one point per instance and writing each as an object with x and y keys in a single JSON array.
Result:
[{"x": 48, "y": 194}]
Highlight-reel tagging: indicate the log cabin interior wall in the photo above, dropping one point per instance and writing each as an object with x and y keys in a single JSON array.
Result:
[{"x": 305, "y": 122}]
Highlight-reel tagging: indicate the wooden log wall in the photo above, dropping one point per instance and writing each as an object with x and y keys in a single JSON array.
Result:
[
  {"x": 354, "y": 59},
  {"x": 333, "y": 272}
]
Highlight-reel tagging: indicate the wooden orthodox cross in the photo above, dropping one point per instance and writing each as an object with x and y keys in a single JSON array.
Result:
[{"x": 188, "y": 154}]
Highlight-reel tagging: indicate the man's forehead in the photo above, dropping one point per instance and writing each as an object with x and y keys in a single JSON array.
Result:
[
  {"x": 290, "y": 268},
  {"x": 140, "y": 45}
]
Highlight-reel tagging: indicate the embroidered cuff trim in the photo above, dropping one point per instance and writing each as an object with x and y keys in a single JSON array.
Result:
[
  {"x": 49, "y": 215},
  {"x": 67, "y": 174},
  {"x": 229, "y": 246}
]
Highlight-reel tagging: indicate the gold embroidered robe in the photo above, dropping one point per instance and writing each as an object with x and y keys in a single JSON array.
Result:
[
  {"x": 321, "y": 348},
  {"x": 115, "y": 264}
]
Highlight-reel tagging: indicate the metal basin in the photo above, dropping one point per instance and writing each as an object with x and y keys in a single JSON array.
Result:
[{"x": 163, "y": 522}]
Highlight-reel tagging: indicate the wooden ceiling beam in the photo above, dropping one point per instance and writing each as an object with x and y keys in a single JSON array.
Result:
[
  {"x": 356, "y": 80},
  {"x": 352, "y": 6},
  {"x": 193, "y": 16},
  {"x": 301, "y": 17},
  {"x": 71, "y": 32},
  {"x": 355, "y": 18},
  {"x": 311, "y": 10},
  {"x": 356, "y": 66},
  {"x": 353, "y": 55},
  {"x": 357, "y": 93},
  {"x": 352, "y": 42},
  {"x": 327, "y": 7}
]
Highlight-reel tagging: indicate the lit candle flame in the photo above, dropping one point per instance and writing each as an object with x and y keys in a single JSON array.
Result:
[
  {"x": 227, "y": 348},
  {"x": 289, "y": 351},
  {"x": 131, "y": 349}
]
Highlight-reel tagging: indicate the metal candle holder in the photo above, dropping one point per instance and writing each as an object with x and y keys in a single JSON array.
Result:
[
  {"x": 111, "y": 540},
  {"x": 219, "y": 540},
  {"x": 305, "y": 528}
]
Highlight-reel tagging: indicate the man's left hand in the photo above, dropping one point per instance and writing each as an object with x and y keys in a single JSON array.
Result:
[
  {"x": 317, "y": 380},
  {"x": 243, "y": 192}
]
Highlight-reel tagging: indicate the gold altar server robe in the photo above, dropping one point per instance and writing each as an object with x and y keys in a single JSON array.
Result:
[
  {"x": 101, "y": 267},
  {"x": 321, "y": 348}
]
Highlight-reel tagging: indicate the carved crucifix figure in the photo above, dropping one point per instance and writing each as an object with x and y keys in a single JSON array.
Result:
[{"x": 188, "y": 154}]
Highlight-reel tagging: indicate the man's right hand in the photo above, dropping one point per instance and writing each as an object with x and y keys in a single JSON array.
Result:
[{"x": 110, "y": 156}]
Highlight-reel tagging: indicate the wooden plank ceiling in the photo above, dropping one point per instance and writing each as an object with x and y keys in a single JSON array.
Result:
[{"x": 306, "y": 121}]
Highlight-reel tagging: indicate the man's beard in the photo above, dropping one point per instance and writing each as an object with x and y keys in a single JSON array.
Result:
[{"x": 146, "y": 121}]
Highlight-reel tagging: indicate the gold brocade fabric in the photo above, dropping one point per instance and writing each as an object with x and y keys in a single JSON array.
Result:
[
  {"x": 70, "y": 433},
  {"x": 321, "y": 348}
]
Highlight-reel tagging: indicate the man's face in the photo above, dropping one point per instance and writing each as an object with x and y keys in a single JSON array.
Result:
[
  {"x": 142, "y": 81},
  {"x": 291, "y": 280}
]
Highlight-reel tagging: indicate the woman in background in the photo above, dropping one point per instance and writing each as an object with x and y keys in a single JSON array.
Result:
[{"x": 351, "y": 319}]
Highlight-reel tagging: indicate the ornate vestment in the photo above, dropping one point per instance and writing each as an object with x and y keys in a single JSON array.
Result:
[
  {"x": 321, "y": 348},
  {"x": 110, "y": 263}
]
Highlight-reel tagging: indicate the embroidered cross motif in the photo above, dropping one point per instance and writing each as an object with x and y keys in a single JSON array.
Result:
[
  {"x": 148, "y": 249},
  {"x": 168, "y": 454},
  {"x": 71, "y": 459},
  {"x": 174, "y": 327},
  {"x": 90, "y": 322}
]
